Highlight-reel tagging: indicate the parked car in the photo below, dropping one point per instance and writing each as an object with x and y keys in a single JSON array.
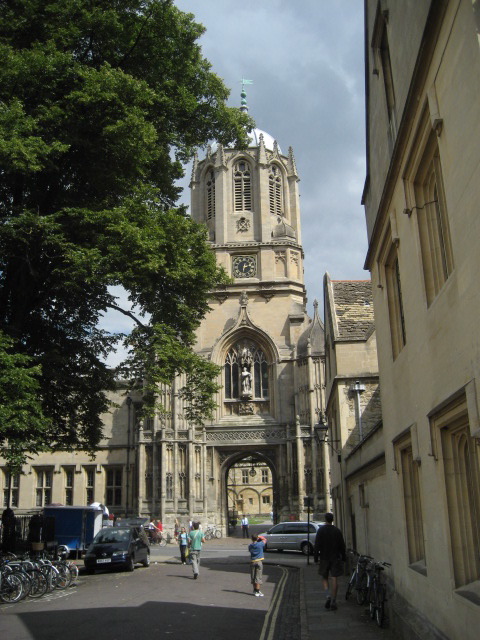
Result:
[
  {"x": 118, "y": 547},
  {"x": 292, "y": 536}
]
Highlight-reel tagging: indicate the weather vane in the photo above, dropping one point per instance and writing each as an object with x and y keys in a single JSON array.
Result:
[{"x": 244, "y": 106}]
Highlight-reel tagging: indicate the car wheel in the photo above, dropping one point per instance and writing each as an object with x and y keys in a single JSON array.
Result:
[
  {"x": 130, "y": 564},
  {"x": 146, "y": 563},
  {"x": 305, "y": 550},
  {"x": 90, "y": 570}
]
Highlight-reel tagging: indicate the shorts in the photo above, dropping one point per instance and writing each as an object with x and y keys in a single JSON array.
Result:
[
  {"x": 330, "y": 567},
  {"x": 256, "y": 572}
]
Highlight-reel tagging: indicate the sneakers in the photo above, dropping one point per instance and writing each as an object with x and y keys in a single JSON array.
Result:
[
  {"x": 333, "y": 606},
  {"x": 328, "y": 602},
  {"x": 195, "y": 576},
  {"x": 258, "y": 594}
]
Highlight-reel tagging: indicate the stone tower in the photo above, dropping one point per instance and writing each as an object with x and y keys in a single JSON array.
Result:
[{"x": 272, "y": 394}]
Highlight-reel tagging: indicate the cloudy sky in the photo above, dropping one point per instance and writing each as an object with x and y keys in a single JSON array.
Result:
[{"x": 305, "y": 58}]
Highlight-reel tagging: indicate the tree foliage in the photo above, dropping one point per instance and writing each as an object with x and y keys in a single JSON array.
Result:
[{"x": 100, "y": 104}]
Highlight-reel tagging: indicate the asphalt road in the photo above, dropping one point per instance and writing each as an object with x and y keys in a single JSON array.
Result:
[{"x": 165, "y": 601}]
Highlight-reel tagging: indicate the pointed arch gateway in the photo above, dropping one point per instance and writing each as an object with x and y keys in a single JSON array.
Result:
[{"x": 234, "y": 485}]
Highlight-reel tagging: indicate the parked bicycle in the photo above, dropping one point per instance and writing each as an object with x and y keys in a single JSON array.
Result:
[
  {"x": 378, "y": 592},
  {"x": 359, "y": 578},
  {"x": 212, "y": 532},
  {"x": 34, "y": 575}
]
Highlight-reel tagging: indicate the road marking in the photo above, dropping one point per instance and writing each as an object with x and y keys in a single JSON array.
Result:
[{"x": 272, "y": 613}]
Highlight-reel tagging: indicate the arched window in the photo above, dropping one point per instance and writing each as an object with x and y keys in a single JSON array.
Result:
[
  {"x": 210, "y": 190},
  {"x": 246, "y": 372},
  {"x": 242, "y": 187},
  {"x": 275, "y": 190}
]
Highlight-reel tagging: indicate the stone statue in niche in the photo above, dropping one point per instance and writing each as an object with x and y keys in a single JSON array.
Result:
[{"x": 246, "y": 383}]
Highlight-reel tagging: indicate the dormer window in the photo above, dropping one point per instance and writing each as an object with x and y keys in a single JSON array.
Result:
[
  {"x": 275, "y": 190},
  {"x": 242, "y": 187},
  {"x": 210, "y": 191}
]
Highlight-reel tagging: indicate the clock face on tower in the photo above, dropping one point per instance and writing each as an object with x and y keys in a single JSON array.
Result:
[{"x": 244, "y": 267}]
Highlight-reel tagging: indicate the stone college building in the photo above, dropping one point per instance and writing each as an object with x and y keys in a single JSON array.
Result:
[{"x": 272, "y": 385}]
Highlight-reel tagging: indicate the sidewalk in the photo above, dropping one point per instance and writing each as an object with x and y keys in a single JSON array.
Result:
[{"x": 349, "y": 622}]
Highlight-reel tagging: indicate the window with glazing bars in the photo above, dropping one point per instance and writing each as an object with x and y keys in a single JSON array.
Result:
[
  {"x": 44, "y": 487},
  {"x": 114, "y": 487},
  {"x": 68, "y": 476},
  {"x": 242, "y": 187}
]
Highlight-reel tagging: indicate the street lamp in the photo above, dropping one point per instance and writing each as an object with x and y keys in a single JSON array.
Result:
[{"x": 321, "y": 435}]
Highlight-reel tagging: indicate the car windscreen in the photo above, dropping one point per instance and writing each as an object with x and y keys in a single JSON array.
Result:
[{"x": 110, "y": 535}]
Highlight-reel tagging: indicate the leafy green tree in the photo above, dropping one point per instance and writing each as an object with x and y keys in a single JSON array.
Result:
[{"x": 100, "y": 104}]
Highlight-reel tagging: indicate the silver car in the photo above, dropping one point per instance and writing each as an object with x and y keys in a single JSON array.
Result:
[{"x": 292, "y": 536}]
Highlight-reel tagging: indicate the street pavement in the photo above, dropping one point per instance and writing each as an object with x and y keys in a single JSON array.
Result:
[{"x": 164, "y": 600}]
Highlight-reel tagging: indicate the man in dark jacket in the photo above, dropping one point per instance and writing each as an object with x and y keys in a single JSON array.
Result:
[{"x": 330, "y": 550}]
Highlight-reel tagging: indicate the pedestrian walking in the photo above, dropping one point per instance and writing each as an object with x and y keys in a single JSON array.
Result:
[
  {"x": 245, "y": 527},
  {"x": 329, "y": 552},
  {"x": 195, "y": 541},
  {"x": 256, "y": 548},
  {"x": 182, "y": 543}
]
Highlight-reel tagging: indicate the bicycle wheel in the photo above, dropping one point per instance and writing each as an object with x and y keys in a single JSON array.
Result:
[
  {"x": 163, "y": 542},
  {"x": 350, "y": 584},
  {"x": 74, "y": 571},
  {"x": 39, "y": 584},
  {"x": 218, "y": 534},
  {"x": 362, "y": 588},
  {"x": 64, "y": 578},
  {"x": 26, "y": 582},
  {"x": 50, "y": 575},
  {"x": 380, "y": 606},
  {"x": 11, "y": 589},
  {"x": 372, "y": 601}
]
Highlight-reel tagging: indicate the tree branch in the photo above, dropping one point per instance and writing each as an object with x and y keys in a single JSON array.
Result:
[{"x": 129, "y": 314}]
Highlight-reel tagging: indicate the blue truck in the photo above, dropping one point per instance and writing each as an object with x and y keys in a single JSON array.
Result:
[{"x": 75, "y": 527}]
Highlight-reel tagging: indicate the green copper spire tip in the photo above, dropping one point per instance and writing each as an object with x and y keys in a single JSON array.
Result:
[{"x": 244, "y": 106}]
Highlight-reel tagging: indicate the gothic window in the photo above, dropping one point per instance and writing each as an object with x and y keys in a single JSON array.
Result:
[
  {"x": 169, "y": 486},
  {"x": 260, "y": 375},
  {"x": 242, "y": 187},
  {"x": 231, "y": 375},
  {"x": 182, "y": 481},
  {"x": 246, "y": 373},
  {"x": 210, "y": 193},
  {"x": 275, "y": 190}
]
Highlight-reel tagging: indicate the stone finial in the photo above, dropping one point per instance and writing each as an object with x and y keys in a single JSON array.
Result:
[
  {"x": 220, "y": 159},
  {"x": 261, "y": 153},
  {"x": 243, "y": 299},
  {"x": 291, "y": 165},
  {"x": 194, "y": 168}
]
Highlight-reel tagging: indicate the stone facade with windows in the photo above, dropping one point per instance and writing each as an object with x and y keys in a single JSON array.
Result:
[{"x": 421, "y": 203}]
